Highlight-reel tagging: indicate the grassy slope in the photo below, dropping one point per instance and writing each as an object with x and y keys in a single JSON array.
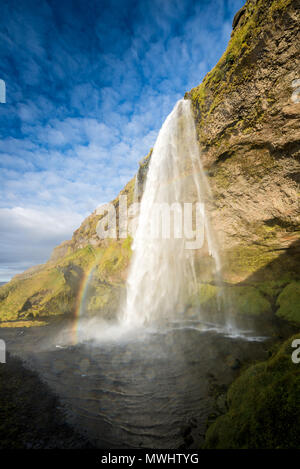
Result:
[{"x": 54, "y": 288}]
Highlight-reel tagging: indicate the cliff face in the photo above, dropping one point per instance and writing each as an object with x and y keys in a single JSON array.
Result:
[
  {"x": 248, "y": 127},
  {"x": 247, "y": 118}
]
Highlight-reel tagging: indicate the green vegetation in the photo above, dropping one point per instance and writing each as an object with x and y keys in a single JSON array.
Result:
[
  {"x": 207, "y": 297},
  {"x": 241, "y": 300},
  {"x": 24, "y": 298},
  {"x": 106, "y": 282},
  {"x": 25, "y": 323},
  {"x": 264, "y": 409},
  {"x": 249, "y": 301},
  {"x": 243, "y": 260},
  {"x": 54, "y": 290},
  {"x": 289, "y": 303}
]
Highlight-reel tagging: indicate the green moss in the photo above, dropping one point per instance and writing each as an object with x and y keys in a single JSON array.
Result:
[
  {"x": 26, "y": 323},
  {"x": 114, "y": 259},
  {"x": 27, "y": 294},
  {"x": 105, "y": 299},
  {"x": 245, "y": 300},
  {"x": 249, "y": 301},
  {"x": 81, "y": 257},
  {"x": 127, "y": 244},
  {"x": 222, "y": 177},
  {"x": 289, "y": 303},
  {"x": 264, "y": 409},
  {"x": 216, "y": 82},
  {"x": 279, "y": 5},
  {"x": 207, "y": 297},
  {"x": 243, "y": 260},
  {"x": 198, "y": 96},
  {"x": 53, "y": 290},
  {"x": 272, "y": 288}
]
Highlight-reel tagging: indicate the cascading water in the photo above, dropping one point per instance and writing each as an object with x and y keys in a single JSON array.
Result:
[{"x": 162, "y": 275}]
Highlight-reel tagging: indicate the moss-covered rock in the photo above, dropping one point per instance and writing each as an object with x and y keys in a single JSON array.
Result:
[
  {"x": 251, "y": 162},
  {"x": 264, "y": 410},
  {"x": 242, "y": 300},
  {"x": 249, "y": 301},
  {"x": 262, "y": 263},
  {"x": 26, "y": 297},
  {"x": 57, "y": 288},
  {"x": 289, "y": 303},
  {"x": 207, "y": 297}
]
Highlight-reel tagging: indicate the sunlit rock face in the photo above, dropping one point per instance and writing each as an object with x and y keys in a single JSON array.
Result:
[
  {"x": 247, "y": 116},
  {"x": 249, "y": 133}
]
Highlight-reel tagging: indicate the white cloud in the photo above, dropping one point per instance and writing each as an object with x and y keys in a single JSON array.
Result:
[{"x": 29, "y": 235}]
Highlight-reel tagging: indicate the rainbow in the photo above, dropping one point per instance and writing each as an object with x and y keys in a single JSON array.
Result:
[{"x": 80, "y": 301}]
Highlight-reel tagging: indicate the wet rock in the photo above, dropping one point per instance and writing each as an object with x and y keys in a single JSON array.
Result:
[
  {"x": 189, "y": 440},
  {"x": 193, "y": 422},
  {"x": 233, "y": 362},
  {"x": 185, "y": 430},
  {"x": 221, "y": 403}
]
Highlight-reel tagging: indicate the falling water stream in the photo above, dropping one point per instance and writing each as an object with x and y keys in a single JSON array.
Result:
[{"x": 162, "y": 276}]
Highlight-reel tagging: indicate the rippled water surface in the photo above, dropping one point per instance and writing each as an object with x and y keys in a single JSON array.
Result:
[{"x": 148, "y": 390}]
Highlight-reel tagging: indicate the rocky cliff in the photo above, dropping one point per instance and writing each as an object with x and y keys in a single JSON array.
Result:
[
  {"x": 247, "y": 115},
  {"x": 249, "y": 129},
  {"x": 248, "y": 126}
]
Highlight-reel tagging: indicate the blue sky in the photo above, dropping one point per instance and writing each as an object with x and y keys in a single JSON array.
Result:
[{"x": 88, "y": 86}]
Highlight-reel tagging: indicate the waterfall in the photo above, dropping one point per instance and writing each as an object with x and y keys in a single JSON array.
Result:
[{"x": 162, "y": 274}]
